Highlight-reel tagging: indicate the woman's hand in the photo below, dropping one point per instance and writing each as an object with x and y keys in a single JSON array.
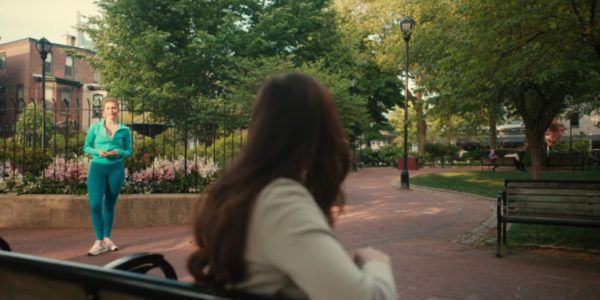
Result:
[
  {"x": 103, "y": 153},
  {"x": 363, "y": 255}
]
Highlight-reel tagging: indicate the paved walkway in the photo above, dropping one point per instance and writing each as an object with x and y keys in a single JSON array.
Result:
[{"x": 429, "y": 235}]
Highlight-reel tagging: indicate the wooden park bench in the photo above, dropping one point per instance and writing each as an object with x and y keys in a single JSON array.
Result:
[
  {"x": 547, "y": 202},
  {"x": 25, "y": 276},
  {"x": 499, "y": 161},
  {"x": 563, "y": 161}
]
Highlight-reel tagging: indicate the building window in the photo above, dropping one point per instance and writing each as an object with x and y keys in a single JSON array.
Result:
[
  {"x": 65, "y": 100},
  {"x": 97, "y": 77},
  {"x": 20, "y": 99},
  {"x": 97, "y": 106},
  {"x": 69, "y": 72},
  {"x": 49, "y": 63},
  {"x": 2, "y": 60}
]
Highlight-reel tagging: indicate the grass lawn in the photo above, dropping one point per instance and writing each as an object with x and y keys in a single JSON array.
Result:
[{"x": 488, "y": 184}]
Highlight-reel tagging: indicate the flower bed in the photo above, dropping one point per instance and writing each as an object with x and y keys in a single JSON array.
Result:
[{"x": 69, "y": 177}]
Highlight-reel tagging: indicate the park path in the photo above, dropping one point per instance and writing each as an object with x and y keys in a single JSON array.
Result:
[{"x": 428, "y": 234}]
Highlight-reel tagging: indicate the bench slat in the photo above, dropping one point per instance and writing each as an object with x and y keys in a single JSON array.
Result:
[
  {"x": 585, "y": 200},
  {"x": 559, "y": 212},
  {"x": 592, "y": 193},
  {"x": 553, "y": 184},
  {"x": 551, "y": 220},
  {"x": 500, "y": 161}
]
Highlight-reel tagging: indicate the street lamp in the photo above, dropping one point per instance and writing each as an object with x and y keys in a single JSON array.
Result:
[
  {"x": 44, "y": 47},
  {"x": 407, "y": 24}
]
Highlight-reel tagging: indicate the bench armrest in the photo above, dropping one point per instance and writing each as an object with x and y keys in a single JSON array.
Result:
[
  {"x": 142, "y": 263},
  {"x": 4, "y": 245}
]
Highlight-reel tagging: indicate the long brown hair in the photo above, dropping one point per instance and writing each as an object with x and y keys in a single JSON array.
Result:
[{"x": 294, "y": 133}]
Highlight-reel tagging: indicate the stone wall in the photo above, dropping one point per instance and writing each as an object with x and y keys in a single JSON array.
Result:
[{"x": 73, "y": 211}]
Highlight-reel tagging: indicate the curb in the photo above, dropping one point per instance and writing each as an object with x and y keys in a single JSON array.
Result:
[{"x": 73, "y": 211}]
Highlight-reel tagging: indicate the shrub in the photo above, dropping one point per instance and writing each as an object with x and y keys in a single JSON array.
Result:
[
  {"x": 223, "y": 149},
  {"x": 443, "y": 152},
  {"x": 25, "y": 158},
  {"x": 385, "y": 156},
  {"x": 580, "y": 143}
]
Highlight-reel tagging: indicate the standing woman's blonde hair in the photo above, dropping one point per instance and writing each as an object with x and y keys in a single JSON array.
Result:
[{"x": 294, "y": 133}]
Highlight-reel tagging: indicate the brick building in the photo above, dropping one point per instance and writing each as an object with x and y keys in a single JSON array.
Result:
[{"x": 72, "y": 89}]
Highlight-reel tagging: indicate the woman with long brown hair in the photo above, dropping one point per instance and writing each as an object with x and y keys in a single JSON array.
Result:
[{"x": 264, "y": 227}]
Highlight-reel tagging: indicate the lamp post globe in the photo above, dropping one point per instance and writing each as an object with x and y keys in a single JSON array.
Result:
[
  {"x": 407, "y": 24},
  {"x": 43, "y": 47}
]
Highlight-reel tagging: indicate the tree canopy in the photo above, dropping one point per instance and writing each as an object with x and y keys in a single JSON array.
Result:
[
  {"x": 174, "y": 53},
  {"x": 482, "y": 61}
]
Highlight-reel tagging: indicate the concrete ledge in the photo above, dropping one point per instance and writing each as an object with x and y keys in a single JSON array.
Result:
[{"x": 73, "y": 211}]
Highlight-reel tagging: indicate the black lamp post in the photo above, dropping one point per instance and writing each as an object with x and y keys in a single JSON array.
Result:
[
  {"x": 407, "y": 24},
  {"x": 44, "y": 47}
]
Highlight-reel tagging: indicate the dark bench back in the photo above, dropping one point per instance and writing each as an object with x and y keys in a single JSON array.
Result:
[
  {"x": 29, "y": 277},
  {"x": 556, "y": 199},
  {"x": 565, "y": 161},
  {"x": 501, "y": 161}
]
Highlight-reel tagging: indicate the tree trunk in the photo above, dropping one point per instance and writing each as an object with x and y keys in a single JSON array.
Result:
[
  {"x": 534, "y": 140},
  {"x": 538, "y": 106},
  {"x": 493, "y": 132},
  {"x": 422, "y": 135},
  {"x": 421, "y": 123}
]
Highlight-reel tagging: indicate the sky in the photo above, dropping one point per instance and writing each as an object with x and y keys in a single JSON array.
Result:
[{"x": 52, "y": 19}]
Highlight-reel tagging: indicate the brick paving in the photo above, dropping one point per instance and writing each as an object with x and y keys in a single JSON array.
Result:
[{"x": 431, "y": 236}]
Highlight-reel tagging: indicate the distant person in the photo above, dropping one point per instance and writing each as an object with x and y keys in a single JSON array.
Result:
[
  {"x": 518, "y": 156},
  {"x": 493, "y": 159},
  {"x": 108, "y": 141},
  {"x": 264, "y": 227}
]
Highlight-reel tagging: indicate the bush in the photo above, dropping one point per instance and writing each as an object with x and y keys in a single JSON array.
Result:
[
  {"x": 385, "y": 156},
  {"x": 223, "y": 149},
  {"x": 441, "y": 151},
  {"x": 580, "y": 143},
  {"x": 24, "y": 158},
  {"x": 72, "y": 146}
]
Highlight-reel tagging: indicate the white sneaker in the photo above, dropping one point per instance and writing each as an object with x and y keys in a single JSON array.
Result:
[
  {"x": 110, "y": 245},
  {"x": 97, "y": 248}
]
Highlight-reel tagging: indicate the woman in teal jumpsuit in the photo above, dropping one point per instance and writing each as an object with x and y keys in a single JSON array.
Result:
[{"x": 108, "y": 141}]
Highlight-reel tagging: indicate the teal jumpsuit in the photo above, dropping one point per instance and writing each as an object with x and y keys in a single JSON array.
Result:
[{"x": 106, "y": 175}]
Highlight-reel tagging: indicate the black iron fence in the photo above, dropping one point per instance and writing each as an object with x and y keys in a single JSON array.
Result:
[{"x": 176, "y": 154}]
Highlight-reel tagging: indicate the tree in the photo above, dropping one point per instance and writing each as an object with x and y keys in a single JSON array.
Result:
[
  {"x": 172, "y": 51},
  {"x": 530, "y": 56},
  {"x": 586, "y": 23},
  {"x": 378, "y": 22}
]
